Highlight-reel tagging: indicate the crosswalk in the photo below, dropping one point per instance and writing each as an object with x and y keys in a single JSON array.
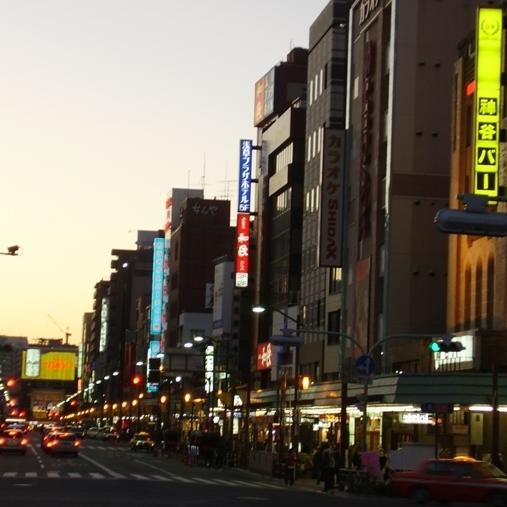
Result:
[
  {"x": 93, "y": 447},
  {"x": 209, "y": 481}
]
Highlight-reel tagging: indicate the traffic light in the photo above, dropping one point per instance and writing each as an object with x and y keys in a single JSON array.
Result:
[
  {"x": 446, "y": 346},
  {"x": 137, "y": 379}
]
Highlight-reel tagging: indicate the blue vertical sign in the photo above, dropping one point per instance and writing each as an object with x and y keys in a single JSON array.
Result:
[
  {"x": 245, "y": 175},
  {"x": 157, "y": 285}
]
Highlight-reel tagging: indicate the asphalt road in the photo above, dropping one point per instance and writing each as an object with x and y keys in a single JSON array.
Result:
[{"x": 110, "y": 475}]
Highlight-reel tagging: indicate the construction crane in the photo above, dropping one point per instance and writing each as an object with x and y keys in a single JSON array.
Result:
[{"x": 66, "y": 332}]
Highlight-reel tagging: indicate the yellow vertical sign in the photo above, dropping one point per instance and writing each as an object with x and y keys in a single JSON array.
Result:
[{"x": 488, "y": 70}]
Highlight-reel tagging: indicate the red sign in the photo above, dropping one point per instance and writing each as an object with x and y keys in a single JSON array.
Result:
[
  {"x": 242, "y": 248},
  {"x": 264, "y": 356}
]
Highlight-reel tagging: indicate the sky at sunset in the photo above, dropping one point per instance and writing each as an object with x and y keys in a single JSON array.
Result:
[{"x": 105, "y": 106}]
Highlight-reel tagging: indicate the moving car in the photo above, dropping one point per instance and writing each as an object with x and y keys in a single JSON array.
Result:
[
  {"x": 79, "y": 431},
  {"x": 142, "y": 440},
  {"x": 92, "y": 432},
  {"x": 453, "y": 480},
  {"x": 108, "y": 433},
  {"x": 61, "y": 443},
  {"x": 13, "y": 440}
]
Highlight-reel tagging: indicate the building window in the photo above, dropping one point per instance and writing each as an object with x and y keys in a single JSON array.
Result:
[
  {"x": 282, "y": 202},
  {"x": 325, "y": 76},
  {"x": 314, "y": 143},
  {"x": 335, "y": 280},
  {"x": 309, "y": 148},
  {"x": 284, "y": 158},
  {"x": 316, "y": 89},
  {"x": 311, "y": 91},
  {"x": 321, "y": 88},
  {"x": 333, "y": 325},
  {"x": 468, "y": 299},
  {"x": 490, "y": 298},
  {"x": 478, "y": 295}
]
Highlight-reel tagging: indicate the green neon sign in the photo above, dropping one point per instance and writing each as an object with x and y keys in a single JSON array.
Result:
[{"x": 487, "y": 103}]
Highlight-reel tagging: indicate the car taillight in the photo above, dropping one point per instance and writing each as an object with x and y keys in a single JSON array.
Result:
[
  {"x": 51, "y": 443},
  {"x": 76, "y": 443},
  {"x": 24, "y": 441},
  {"x": 2, "y": 441}
]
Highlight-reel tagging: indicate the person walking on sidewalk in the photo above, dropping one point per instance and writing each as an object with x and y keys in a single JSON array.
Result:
[
  {"x": 328, "y": 467},
  {"x": 290, "y": 467},
  {"x": 317, "y": 464}
]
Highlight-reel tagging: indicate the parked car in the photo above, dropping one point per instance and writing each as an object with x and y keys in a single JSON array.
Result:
[
  {"x": 13, "y": 440},
  {"x": 62, "y": 443},
  {"x": 453, "y": 480},
  {"x": 108, "y": 433},
  {"x": 142, "y": 441}
]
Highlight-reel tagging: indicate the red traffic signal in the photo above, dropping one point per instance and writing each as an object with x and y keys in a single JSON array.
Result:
[{"x": 137, "y": 379}]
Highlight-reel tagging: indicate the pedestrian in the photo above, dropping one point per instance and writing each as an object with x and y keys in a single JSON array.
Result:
[
  {"x": 354, "y": 457},
  {"x": 328, "y": 467},
  {"x": 290, "y": 467},
  {"x": 317, "y": 464}
]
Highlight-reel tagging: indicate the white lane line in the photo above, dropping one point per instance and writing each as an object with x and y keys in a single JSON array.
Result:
[
  {"x": 74, "y": 475},
  {"x": 96, "y": 475},
  {"x": 266, "y": 485},
  {"x": 161, "y": 478},
  {"x": 244, "y": 483},
  {"x": 154, "y": 467},
  {"x": 112, "y": 473},
  {"x": 10, "y": 474},
  {"x": 39, "y": 459},
  {"x": 181, "y": 479},
  {"x": 30, "y": 475},
  {"x": 204, "y": 481},
  {"x": 140, "y": 477},
  {"x": 53, "y": 475}
]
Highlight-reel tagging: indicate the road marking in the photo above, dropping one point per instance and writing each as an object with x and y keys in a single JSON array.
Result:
[
  {"x": 154, "y": 467},
  {"x": 222, "y": 481},
  {"x": 96, "y": 475},
  {"x": 140, "y": 477},
  {"x": 74, "y": 475},
  {"x": 181, "y": 479},
  {"x": 204, "y": 481},
  {"x": 112, "y": 473},
  {"x": 30, "y": 475},
  {"x": 244, "y": 483},
  {"x": 53, "y": 474},
  {"x": 39, "y": 459},
  {"x": 161, "y": 478},
  {"x": 266, "y": 485},
  {"x": 23, "y": 485},
  {"x": 10, "y": 474}
]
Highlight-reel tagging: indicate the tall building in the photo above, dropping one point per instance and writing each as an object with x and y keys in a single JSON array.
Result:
[
  {"x": 203, "y": 234},
  {"x": 400, "y": 95},
  {"x": 325, "y": 113},
  {"x": 280, "y": 120}
]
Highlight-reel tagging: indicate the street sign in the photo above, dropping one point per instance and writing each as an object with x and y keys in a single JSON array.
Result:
[
  {"x": 290, "y": 340},
  {"x": 365, "y": 365},
  {"x": 437, "y": 408}
]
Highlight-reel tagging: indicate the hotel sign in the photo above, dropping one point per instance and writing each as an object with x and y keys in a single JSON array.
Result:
[
  {"x": 242, "y": 248},
  {"x": 245, "y": 175},
  {"x": 487, "y": 101}
]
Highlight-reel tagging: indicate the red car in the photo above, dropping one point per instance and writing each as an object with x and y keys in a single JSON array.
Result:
[{"x": 453, "y": 480}]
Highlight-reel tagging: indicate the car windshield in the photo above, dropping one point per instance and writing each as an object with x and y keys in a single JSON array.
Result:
[{"x": 488, "y": 471}]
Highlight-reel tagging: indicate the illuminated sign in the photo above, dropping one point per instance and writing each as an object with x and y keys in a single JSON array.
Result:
[
  {"x": 331, "y": 184},
  {"x": 242, "y": 249},
  {"x": 209, "y": 367},
  {"x": 51, "y": 365},
  {"x": 487, "y": 101},
  {"x": 32, "y": 364},
  {"x": 416, "y": 418},
  {"x": 104, "y": 316},
  {"x": 157, "y": 285},
  {"x": 245, "y": 175},
  {"x": 264, "y": 356},
  {"x": 264, "y": 97}
]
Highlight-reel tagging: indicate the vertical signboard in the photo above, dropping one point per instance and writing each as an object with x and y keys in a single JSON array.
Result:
[
  {"x": 104, "y": 317},
  {"x": 157, "y": 285},
  {"x": 487, "y": 105},
  {"x": 242, "y": 249},
  {"x": 331, "y": 192},
  {"x": 264, "y": 97},
  {"x": 209, "y": 367},
  {"x": 245, "y": 175},
  {"x": 243, "y": 217}
]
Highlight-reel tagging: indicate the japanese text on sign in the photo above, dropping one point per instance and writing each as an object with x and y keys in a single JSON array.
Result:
[
  {"x": 242, "y": 249},
  {"x": 245, "y": 175},
  {"x": 487, "y": 110}
]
